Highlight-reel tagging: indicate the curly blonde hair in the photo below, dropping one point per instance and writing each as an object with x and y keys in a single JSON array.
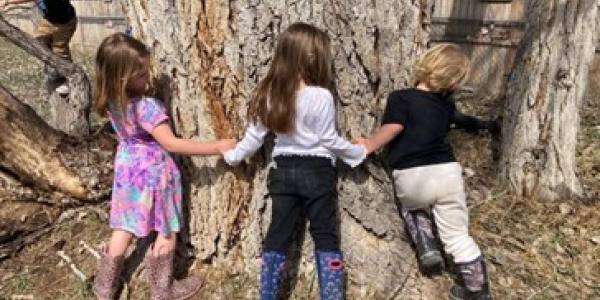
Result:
[{"x": 443, "y": 68}]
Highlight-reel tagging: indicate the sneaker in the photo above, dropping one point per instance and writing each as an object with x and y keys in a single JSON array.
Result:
[{"x": 63, "y": 89}]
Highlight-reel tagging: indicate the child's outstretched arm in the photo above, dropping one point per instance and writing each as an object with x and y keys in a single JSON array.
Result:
[
  {"x": 165, "y": 137},
  {"x": 382, "y": 136},
  {"x": 252, "y": 141},
  {"x": 329, "y": 138},
  {"x": 473, "y": 124}
]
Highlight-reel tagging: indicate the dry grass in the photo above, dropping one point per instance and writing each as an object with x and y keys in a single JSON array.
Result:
[{"x": 538, "y": 250}]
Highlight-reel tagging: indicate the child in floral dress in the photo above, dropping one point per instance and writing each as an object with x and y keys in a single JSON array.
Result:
[{"x": 147, "y": 191}]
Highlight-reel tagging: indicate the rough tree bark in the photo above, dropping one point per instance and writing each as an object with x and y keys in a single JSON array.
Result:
[
  {"x": 47, "y": 159},
  {"x": 544, "y": 97},
  {"x": 213, "y": 53},
  {"x": 69, "y": 114}
]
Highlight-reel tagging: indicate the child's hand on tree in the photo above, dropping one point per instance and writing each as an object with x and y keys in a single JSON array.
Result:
[{"x": 225, "y": 145}]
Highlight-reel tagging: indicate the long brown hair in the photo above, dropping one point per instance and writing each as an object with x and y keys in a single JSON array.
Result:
[
  {"x": 303, "y": 52},
  {"x": 119, "y": 58}
]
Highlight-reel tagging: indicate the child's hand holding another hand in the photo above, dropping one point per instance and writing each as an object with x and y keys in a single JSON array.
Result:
[
  {"x": 365, "y": 142},
  {"x": 225, "y": 145}
]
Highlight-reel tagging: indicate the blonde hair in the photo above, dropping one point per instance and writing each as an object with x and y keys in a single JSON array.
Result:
[
  {"x": 303, "y": 52},
  {"x": 119, "y": 58},
  {"x": 442, "y": 68}
]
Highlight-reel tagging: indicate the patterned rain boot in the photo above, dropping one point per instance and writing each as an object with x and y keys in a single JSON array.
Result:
[
  {"x": 330, "y": 266},
  {"x": 107, "y": 277},
  {"x": 271, "y": 275},
  {"x": 162, "y": 284},
  {"x": 420, "y": 228},
  {"x": 472, "y": 283}
]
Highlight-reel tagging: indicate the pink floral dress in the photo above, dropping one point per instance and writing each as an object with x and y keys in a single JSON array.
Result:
[{"x": 147, "y": 192}]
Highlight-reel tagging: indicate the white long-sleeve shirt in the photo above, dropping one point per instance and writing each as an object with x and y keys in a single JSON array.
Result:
[{"x": 315, "y": 133}]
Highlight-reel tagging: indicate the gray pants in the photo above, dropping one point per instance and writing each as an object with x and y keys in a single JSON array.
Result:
[{"x": 441, "y": 187}]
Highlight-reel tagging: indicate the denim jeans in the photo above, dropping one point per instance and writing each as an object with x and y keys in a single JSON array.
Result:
[{"x": 302, "y": 186}]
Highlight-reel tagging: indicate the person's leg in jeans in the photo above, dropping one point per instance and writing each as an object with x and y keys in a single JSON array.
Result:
[
  {"x": 61, "y": 38},
  {"x": 285, "y": 211},
  {"x": 452, "y": 218},
  {"x": 44, "y": 33},
  {"x": 320, "y": 206}
]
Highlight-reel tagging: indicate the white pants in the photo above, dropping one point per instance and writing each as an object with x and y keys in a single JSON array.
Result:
[{"x": 440, "y": 186}]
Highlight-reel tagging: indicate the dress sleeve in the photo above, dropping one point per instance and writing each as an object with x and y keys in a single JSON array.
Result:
[
  {"x": 150, "y": 113},
  {"x": 252, "y": 141},
  {"x": 329, "y": 138}
]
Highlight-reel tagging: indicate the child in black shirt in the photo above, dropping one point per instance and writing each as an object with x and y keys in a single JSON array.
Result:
[{"x": 426, "y": 175}]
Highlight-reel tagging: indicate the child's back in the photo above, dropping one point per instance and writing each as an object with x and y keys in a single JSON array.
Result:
[
  {"x": 144, "y": 168},
  {"x": 314, "y": 134}
]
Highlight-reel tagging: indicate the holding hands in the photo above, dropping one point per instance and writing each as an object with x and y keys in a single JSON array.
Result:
[
  {"x": 225, "y": 145},
  {"x": 365, "y": 142}
]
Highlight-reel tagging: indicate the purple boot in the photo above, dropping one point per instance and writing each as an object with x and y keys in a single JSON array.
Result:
[
  {"x": 420, "y": 228},
  {"x": 162, "y": 284},
  {"x": 106, "y": 282},
  {"x": 472, "y": 283}
]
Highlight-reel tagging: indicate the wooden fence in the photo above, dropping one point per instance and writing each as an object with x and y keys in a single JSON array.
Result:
[{"x": 488, "y": 30}]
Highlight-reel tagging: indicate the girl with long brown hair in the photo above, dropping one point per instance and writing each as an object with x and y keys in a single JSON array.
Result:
[
  {"x": 294, "y": 101},
  {"x": 147, "y": 190}
]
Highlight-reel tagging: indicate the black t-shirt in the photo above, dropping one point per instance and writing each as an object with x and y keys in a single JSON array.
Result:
[
  {"x": 56, "y": 11},
  {"x": 426, "y": 118}
]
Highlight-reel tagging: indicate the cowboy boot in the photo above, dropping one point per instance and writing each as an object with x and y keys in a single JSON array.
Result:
[
  {"x": 107, "y": 277},
  {"x": 472, "y": 282},
  {"x": 162, "y": 284},
  {"x": 273, "y": 266},
  {"x": 420, "y": 229},
  {"x": 330, "y": 267}
]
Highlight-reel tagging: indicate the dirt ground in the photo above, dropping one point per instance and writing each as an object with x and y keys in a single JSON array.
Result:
[{"x": 537, "y": 250}]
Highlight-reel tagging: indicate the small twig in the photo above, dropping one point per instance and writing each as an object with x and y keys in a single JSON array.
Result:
[
  {"x": 15, "y": 246},
  {"x": 90, "y": 249},
  {"x": 72, "y": 265},
  {"x": 21, "y": 297}
]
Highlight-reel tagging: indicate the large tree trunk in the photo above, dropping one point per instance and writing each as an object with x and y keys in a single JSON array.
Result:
[
  {"x": 544, "y": 97},
  {"x": 69, "y": 114},
  {"x": 213, "y": 53}
]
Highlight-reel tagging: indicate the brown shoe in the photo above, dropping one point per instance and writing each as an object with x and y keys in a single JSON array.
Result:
[
  {"x": 107, "y": 277},
  {"x": 162, "y": 284}
]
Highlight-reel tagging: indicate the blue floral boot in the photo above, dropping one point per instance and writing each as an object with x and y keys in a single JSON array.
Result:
[
  {"x": 330, "y": 266},
  {"x": 273, "y": 265}
]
